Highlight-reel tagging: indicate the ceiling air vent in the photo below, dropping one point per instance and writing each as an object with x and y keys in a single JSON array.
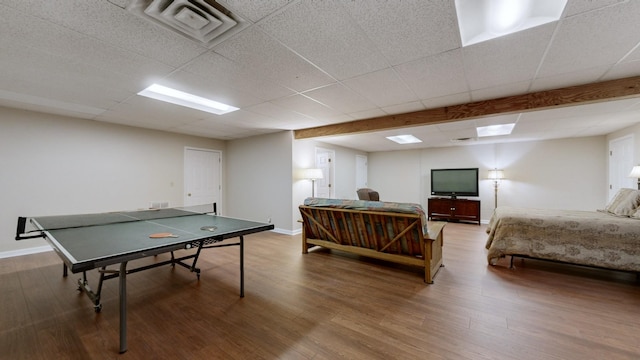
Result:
[
  {"x": 204, "y": 21},
  {"x": 462, "y": 139}
]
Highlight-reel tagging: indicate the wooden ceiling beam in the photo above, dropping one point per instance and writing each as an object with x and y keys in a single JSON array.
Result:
[{"x": 548, "y": 99}]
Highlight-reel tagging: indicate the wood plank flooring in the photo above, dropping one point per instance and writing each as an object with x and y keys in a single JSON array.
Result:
[{"x": 325, "y": 305}]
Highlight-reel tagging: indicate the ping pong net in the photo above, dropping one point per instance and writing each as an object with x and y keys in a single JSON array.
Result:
[{"x": 58, "y": 222}]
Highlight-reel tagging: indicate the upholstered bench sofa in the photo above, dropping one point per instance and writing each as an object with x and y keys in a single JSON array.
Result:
[{"x": 395, "y": 232}]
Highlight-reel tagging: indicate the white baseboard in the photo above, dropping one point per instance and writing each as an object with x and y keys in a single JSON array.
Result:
[
  {"x": 28, "y": 251},
  {"x": 287, "y": 232}
]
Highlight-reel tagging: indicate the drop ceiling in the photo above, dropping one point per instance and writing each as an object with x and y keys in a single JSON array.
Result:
[{"x": 300, "y": 64}]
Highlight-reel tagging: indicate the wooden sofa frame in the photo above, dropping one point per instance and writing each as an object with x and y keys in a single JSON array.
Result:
[{"x": 346, "y": 230}]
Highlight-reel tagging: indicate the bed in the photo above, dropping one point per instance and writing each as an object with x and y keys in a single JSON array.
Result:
[{"x": 607, "y": 238}]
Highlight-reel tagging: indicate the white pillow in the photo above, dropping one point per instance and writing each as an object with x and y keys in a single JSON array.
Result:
[{"x": 625, "y": 203}]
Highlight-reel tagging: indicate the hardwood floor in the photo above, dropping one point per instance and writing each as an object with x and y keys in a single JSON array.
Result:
[{"x": 326, "y": 305}]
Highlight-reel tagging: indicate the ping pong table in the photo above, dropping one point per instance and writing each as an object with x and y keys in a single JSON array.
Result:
[{"x": 95, "y": 241}]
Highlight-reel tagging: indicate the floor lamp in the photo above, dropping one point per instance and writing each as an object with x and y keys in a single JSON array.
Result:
[
  {"x": 313, "y": 175},
  {"x": 496, "y": 175}
]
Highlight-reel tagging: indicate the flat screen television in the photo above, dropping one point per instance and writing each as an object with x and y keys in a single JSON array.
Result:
[{"x": 454, "y": 182}]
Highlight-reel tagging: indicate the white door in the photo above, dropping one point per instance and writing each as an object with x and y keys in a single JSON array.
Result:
[
  {"x": 324, "y": 161},
  {"x": 202, "y": 177},
  {"x": 361, "y": 172},
  {"x": 620, "y": 164}
]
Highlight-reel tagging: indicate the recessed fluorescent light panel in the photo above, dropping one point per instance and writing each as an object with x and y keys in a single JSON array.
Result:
[
  {"x": 181, "y": 98},
  {"x": 404, "y": 139},
  {"x": 495, "y": 130},
  {"x": 482, "y": 20}
]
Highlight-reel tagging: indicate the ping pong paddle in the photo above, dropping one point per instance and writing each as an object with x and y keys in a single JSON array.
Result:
[{"x": 162, "y": 235}]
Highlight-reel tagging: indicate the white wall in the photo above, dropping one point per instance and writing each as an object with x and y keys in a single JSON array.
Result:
[
  {"x": 560, "y": 174},
  {"x": 304, "y": 157},
  {"x": 259, "y": 179},
  {"x": 345, "y": 165},
  {"x": 264, "y": 175},
  {"x": 58, "y": 165},
  {"x": 396, "y": 175}
]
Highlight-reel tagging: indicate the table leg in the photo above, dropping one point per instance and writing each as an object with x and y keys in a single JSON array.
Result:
[
  {"x": 123, "y": 307},
  {"x": 241, "y": 266}
]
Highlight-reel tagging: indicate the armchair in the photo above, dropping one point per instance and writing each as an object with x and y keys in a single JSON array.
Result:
[{"x": 368, "y": 194}]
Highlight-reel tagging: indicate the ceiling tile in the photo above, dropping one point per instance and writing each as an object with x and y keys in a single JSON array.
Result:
[
  {"x": 111, "y": 24},
  {"x": 579, "y": 77},
  {"x": 622, "y": 70},
  {"x": 224, "y": 74},
  {"x": 497, "y": 120},
  {"x": 340, "y": 98},
  {"x": 583, "y": 111},
  {"x": 47, "y": 39},
  {"x": 207, "y": 87},
  {"x": 219, "y": 131},
  {"x": 368, "y": 114},
  {"x": 460, "y": 133},
  {"x": 507, "y": 59},
  {"x": 254, "y": 10},
  {"x": 230, "y": 129},
  {"x": 323, "y": 31},
  {"x": 404, "y": 108},
  {"x": 336, "y": 118},
  {"x": 88, "y": 70},
  {"x": 593, "y": 39},
  {"x": 305, "y": 105},
  {"x": 252, "y": 49},
  {"x": 634, "y": 55},
  {"x": 527, "y": 125},
  {"x": 435, "y": 76},
  {"x": 282, "y": 118},
  {"x": 383, "y": 88},
  {"x": 457, "y": 125},
  {"x": 89, "y": 58},
  {"x": 448, "y": 100},
  {"x": 246, "y": 119},
  {"x": 500, "y": 91},
  {"x": 580, "y": 6},
  {"x": 155, "y": 114},
  {"x": 47, "y": 105},
  {"x": 404, "y": 33},
  {"x": 28, "y": 71}
]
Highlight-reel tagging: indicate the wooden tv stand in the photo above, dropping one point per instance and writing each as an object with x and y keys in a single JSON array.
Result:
[{"x": 454, "y": 209}]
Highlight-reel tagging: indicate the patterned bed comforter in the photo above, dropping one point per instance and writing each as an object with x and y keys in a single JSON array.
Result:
[{"x": 579, "y": 237}]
